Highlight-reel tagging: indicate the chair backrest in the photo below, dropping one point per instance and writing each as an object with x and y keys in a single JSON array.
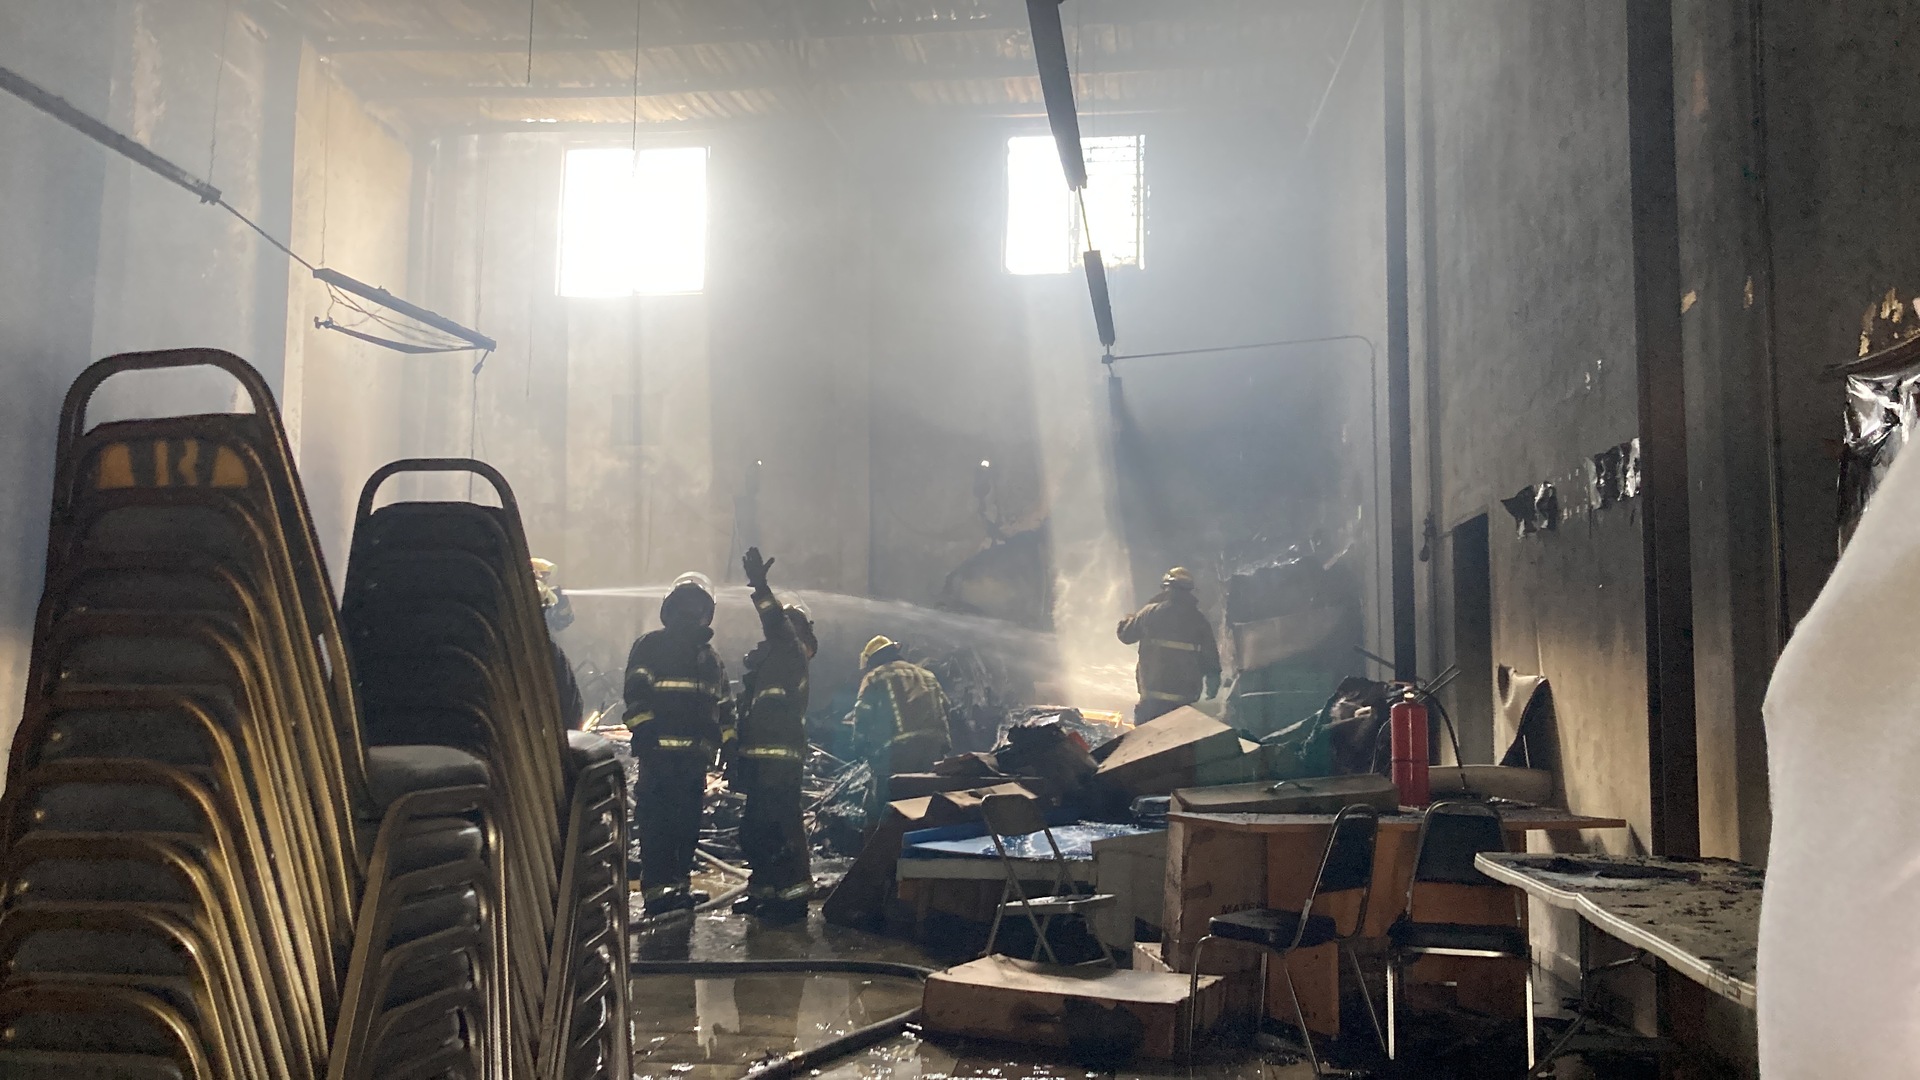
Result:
[
  {"x": 1347, "y": 863},
  {"x": 1451, "y": 834},
  {"x": 1019, "y": 815}
]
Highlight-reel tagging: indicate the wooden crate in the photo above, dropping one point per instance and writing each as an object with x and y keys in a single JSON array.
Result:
[{"x": 1048, "y": 1005}]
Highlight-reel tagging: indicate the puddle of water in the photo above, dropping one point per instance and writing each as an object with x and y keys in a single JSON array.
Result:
[{"x": 688, "y": 1028}]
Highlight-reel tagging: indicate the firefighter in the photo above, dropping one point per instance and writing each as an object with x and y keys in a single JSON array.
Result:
[
  {"x": 1178, "y": 656},
  {"x": 899, "y": 718},
  {"x": 678, "y": 704},
  {"x": 767, "y": 760},
  {"x": 573, "y": 708},
  {"x": 555, "y": 605}
]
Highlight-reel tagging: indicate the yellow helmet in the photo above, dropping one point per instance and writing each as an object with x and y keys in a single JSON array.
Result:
[
  {"x": 1177, "y": 578},
  {"x": 879, "y": 644},
  {"x": 542, "y": 567}
]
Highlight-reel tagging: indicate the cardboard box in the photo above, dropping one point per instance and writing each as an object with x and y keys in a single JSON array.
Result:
[
  {"x": 862, "y": 895},
  {"x": 1169, "y": 751},
  {"x": 1240, "y": 990},
  {"x": 1053, "y": 1006},
  {"x": 1134, "y": 870},
  {"x": 1209, "y": 872}
]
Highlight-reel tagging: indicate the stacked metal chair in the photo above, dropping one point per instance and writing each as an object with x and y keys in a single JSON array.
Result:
[
  {"x": 446, "y": 629},
  {"x": 208, "y": 871}
]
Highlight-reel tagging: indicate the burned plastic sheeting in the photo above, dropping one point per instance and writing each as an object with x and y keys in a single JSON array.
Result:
[
  {"x": 1535, "y": 509},
  {"x": 1075, "y": 842},
  {"x": 1881, "y": 414},
  {"x": 1055, "y": 748},
  {"x": 1613, "y": 476},
  {"x": 1882, "y": 388},
  {"x": 1345, "y": 737}
]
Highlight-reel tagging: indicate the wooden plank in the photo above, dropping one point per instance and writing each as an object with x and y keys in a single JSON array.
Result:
[
  {"x": 1467, "y": 905},
  {"x": 1162, "y": 754},
  {"x": 1486, "y": 985},
  {"x": 1514, "y": 821},
  {"x": 1210, "y": 872}
]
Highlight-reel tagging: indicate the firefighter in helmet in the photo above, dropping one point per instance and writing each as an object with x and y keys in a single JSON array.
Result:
[
  {"x": 678, "y": 704},
  {"x": 899, "y": 717},
  {"x": 1179, "y": 658},
  {"x": 767, "y": 761}
]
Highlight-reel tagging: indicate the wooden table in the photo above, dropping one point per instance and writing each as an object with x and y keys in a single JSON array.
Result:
[
  {"x": 1705, "y": 926},
  {"x": 1218, "y": 863}
]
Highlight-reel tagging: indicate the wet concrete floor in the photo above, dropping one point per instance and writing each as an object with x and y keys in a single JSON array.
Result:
[{"x": 688, "y": 1028}]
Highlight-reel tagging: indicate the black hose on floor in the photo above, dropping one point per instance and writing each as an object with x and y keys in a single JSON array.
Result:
[{"x": 801, "y": 1061}]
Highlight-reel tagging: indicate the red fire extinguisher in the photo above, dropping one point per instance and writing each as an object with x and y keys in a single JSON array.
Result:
[{"x": 1409, "y": 720}]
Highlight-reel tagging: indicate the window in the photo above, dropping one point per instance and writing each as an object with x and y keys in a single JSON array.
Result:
[
  {"x": 633, "y": 223},
  {"x": 1044, "y": 232}
]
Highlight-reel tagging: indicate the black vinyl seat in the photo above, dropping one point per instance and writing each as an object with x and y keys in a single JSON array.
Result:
[{"x": 1271, "y": 929}]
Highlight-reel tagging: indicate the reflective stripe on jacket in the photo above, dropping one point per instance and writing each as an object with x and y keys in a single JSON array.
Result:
[{"x": 901, "y": 703}]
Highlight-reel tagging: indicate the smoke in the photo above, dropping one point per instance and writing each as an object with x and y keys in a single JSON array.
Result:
[{"x": 1092, "y": 578}]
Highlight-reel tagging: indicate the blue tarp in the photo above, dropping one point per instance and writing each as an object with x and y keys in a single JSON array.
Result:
[{"x": 971, "y": 842}]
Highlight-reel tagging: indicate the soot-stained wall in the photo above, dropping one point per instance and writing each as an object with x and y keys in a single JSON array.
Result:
[
  {"x": 1526, "y": 354},
  {"x": 859, "y": 336},
  {"x": 102, "y": 257}
]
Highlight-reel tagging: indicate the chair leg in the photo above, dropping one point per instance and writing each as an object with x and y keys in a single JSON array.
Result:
[
  {"x": 1040, "y": 926},
  {"x": 1193, "y": 993},
  {"x": 1372, "y": 1017},
  {"x": 1530, "y": 1035},
  {"x": 1393, "y": 1008},
  {"x": 999, "y": 913},
  {"x": 1260, "y": 1017},
  {"x": 1299, "y": 1016}
]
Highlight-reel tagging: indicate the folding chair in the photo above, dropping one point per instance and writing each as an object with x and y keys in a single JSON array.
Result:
[
  {"x": 1345, "y": 866},
  {"x": 1018, "y": 815},
  {"x": 1451, "y": 834}
]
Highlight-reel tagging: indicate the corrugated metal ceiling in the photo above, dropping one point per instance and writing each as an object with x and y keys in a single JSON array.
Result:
[{"x": 455, "y": 64}]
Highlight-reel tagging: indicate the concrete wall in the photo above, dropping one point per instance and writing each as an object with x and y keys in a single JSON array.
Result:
[
  {"x": 1524, "y": 345},
  {"x": 348, "y": 401},
  {"x": 104, "y": 257}
]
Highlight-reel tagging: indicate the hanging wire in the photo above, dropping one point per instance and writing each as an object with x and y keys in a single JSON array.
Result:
[
  {"x": 219, "y": 75},
  {"x": 1333, "y": 80},
  {"x": 326, "y": 166},
  {"x": 638, "y": 4},
  {"x": 264, "y": 234},
  {"x": 532, "y": 5}
]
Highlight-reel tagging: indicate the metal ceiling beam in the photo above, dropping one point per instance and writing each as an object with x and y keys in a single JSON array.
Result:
[
  {"x": 623, "y": 43},
  {"x": 1025, "y": 112},
  {"x": 1242, "y": 59},
  {"x": 1109, "y": 14}
]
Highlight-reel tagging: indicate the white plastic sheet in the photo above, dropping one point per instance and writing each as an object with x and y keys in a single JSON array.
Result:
[{"x": 1839, "y": 966}]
